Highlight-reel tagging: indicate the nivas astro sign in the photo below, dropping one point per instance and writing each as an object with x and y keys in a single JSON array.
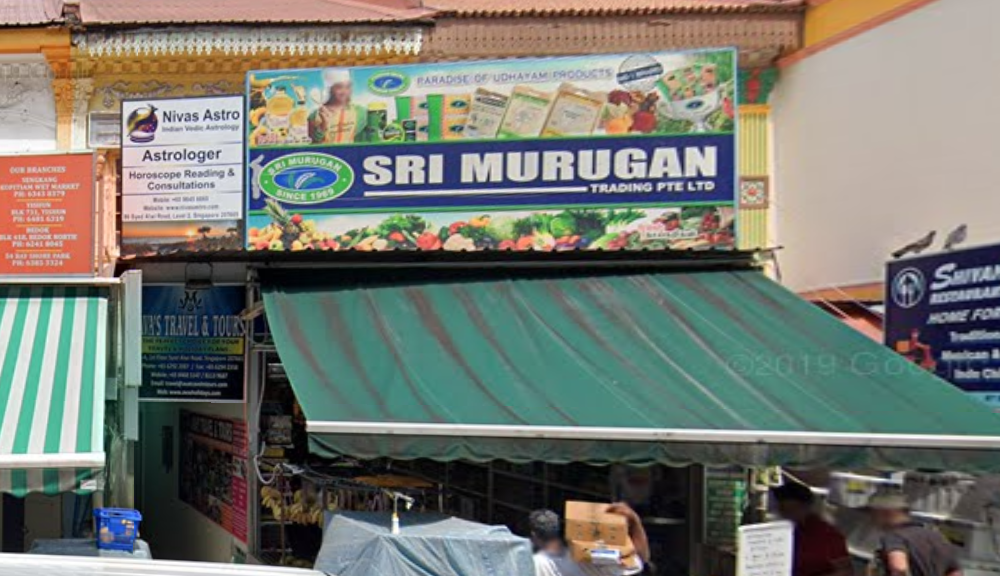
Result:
[{"x": 632, "y": 151}]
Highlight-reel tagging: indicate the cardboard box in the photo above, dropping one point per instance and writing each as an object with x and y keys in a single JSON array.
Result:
[
  {"x": 583, "y": 552},
  {"x": 590, "y": 522}
]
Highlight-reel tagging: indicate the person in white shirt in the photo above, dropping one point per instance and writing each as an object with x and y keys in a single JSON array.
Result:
[{"x": 553, "y": 559}]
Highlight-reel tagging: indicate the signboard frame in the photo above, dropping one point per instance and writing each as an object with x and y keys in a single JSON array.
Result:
[
  {"x": 93, "y": 231},
  {"x": 244, "y": 367},
  {"x": 349, "y": 204},
  {"x": 948, "y": 346},
  {"x": 241, "y": 221}
]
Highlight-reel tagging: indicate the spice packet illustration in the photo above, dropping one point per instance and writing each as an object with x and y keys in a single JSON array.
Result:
[
  {"x": 574, "y": 112},
  {"x": 526, "y": 113}
]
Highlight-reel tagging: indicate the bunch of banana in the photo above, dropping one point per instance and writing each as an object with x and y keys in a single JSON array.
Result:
[
  {"x": 294, "y": 562},
  {"x": 316, "y": 516},
  {"x": 270, "y": 497},
  {"x": 304, "y": 510}
]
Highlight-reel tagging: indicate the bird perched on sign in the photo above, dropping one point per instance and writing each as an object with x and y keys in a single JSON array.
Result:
[
  {"x": 916, "y": 247},
  {"x": 956, "y": 237}
]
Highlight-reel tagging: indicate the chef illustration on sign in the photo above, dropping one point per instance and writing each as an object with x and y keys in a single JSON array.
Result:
[
  {"x": 337, "y": 120},
  {"x": 916, "y": 351}
]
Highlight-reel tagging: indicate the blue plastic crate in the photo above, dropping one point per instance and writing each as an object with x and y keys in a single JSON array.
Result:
[{"x": 117, "y": 528}]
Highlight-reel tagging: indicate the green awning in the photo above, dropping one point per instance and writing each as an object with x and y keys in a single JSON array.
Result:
[
  {"x": 52, "y": 369},
  {"x": 709, "y": 367}
]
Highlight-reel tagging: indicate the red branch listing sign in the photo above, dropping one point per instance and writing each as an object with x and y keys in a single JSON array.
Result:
[{"x": 46, "y": 215}]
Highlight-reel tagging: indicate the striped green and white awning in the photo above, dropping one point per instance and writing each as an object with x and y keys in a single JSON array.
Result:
[{"x": 53, "y": 344}]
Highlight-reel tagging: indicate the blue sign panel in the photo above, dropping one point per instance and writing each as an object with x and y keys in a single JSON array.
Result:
[
  {"x": 192, "y": 343},
  {"x": 618, "y": 171},
  {"x": 943, "y": 312}
]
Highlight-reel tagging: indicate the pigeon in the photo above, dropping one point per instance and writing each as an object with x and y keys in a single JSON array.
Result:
[
  {"x": 956, "y": 237},
  {"x": 916, "y": 247}
]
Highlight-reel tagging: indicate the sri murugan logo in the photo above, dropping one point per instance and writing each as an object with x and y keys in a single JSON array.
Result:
[{"x": 306, "y": 178}]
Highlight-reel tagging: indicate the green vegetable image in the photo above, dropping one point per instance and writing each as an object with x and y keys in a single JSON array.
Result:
[
  {"x": 401, "y": 223},
  {"x": 502, "y": 228},
  {"x": 602, "y": 242},
  {"x": 563, "y": 225}
]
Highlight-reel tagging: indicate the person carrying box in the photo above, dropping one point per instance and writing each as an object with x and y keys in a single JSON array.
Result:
[{"x": 553, "y": 557}]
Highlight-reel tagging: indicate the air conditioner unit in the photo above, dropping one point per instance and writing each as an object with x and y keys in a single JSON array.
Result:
[{"x": 104, "y": 130}]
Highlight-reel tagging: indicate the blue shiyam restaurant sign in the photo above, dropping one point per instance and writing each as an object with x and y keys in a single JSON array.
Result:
[{"x": 943, "y": 312}]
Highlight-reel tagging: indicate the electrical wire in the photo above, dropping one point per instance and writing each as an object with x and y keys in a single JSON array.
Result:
[
  {"x": 263, "y": 443},
  {"x": 991, "y": 511}
]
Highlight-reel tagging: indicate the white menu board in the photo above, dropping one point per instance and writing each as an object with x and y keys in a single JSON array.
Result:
[{"x": 765, "y": 549}]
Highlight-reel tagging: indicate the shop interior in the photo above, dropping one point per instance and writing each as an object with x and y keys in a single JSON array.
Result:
[{"x": 495, "y": 493}]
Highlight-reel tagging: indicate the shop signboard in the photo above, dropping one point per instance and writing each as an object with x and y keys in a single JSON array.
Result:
[
  {"x": 943, "y": 312},
  {"x": 192, "y": 343},
  {"x": 214, "y": 468},
  {"x": 604, "y": 152},
  {"x": 47, "y": 215},
  {"x": 182, "y": 174},
  {"x": 725, "y": 498},
  {"x": 765, "y": 549}
]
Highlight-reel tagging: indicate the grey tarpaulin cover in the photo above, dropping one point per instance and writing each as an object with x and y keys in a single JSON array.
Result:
[{"x": 361, "y": 544}]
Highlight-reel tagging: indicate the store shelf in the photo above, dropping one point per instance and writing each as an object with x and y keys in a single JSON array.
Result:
[
  {"x": 512, "y": 506},
  {"x": 967, "y": 565},
  {"x": 468, "y": 492},
  {"x": 945, "y": 518},
  {"x": 550, "y": 483},
  {"x": 661, "y": 521}
]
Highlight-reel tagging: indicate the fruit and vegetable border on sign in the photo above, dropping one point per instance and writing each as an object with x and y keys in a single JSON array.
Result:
[{"x": 608, "y": 152}]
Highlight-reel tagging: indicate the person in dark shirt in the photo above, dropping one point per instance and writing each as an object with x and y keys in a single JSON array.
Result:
[
  {"x": 820, "y": 550},
  {"x": 908, "y": 548}
]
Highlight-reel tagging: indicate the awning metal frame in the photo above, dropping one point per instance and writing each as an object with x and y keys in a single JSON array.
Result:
[
  {"x": 658, "y": 435},
  {"x": 65, "y": 460}
]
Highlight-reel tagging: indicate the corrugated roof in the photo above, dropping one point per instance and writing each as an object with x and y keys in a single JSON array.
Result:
[
  {"x": 576, "y": 7},
  {"x": 30, "y": 12},
  {"x": 870, "y": 292},
  {"x": 124, "y": 12}
]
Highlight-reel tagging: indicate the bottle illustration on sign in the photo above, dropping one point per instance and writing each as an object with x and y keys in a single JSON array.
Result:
[
  {"x": 256, "y": 166},
  {"x": 142, "y": 124}
]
